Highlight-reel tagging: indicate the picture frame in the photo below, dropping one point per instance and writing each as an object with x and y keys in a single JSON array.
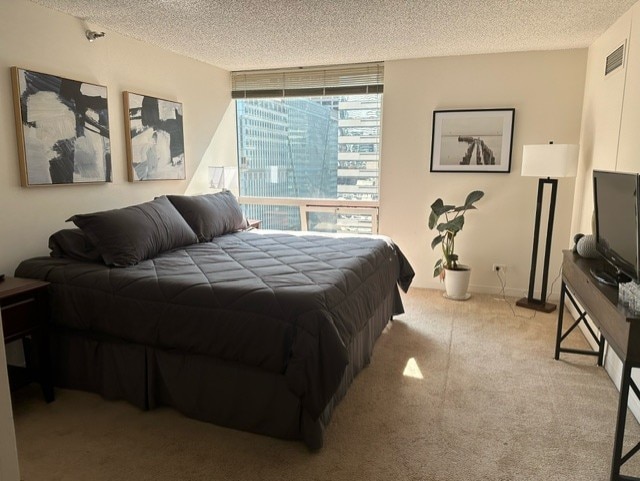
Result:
[
  {"x": 154, "y": 134},
  {"x": 62, "y": 129},
  {"x": 478, "y": 140}
]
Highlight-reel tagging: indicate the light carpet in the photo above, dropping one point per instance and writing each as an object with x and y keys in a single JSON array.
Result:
[{"x": 455, "y": 391}]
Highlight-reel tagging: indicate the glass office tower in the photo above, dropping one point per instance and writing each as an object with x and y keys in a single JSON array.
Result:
[{"x": 308, "y": 148}]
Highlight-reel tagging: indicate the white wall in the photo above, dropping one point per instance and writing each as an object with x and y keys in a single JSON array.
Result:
[
  {"x": 546, "y": 89},
  {"x": 222, "y": 151},
  {"x": 628, "y": 158},
  {"x": 601, "y": 117},
  {"x": 41, "y": 39}
]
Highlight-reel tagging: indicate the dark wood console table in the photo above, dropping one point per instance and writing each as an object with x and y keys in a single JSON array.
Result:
[{"x": 617, "y": 325}]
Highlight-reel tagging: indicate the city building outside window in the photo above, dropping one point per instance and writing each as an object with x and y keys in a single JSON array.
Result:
[{"x": 309, "y": 146}]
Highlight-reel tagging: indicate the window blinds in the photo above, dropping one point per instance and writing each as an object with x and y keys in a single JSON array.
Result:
[{"x": 308, "y": 81}]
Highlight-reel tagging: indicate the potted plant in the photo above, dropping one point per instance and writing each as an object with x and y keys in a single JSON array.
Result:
[{"x": 456, "y": 276}]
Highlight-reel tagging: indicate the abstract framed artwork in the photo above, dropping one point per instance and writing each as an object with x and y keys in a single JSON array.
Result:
[
  {"x": 154, "y": 138},
  {"x": 472, "y": 140},
  {"x": 62, "y": 129}
]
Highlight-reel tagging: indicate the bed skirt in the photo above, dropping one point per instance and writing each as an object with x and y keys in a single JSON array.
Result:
[{"x": 209, "y": 389}]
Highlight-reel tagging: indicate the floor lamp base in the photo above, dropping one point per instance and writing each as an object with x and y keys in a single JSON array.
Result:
[{"x": 536, "y": 305}]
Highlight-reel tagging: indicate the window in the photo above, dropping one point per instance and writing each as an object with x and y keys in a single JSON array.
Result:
[{"x": 304, "y": 159}]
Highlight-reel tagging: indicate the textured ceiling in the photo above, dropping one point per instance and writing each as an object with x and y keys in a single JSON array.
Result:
[{"x": 257, "y": 34}]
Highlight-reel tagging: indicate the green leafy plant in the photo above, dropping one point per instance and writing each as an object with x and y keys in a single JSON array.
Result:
[{"x": 447, "y": 230}]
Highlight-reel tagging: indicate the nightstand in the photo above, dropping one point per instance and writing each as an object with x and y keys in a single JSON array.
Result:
[
  {"x": 25, "y": 316},
  {"x": 254, "y": 223}
]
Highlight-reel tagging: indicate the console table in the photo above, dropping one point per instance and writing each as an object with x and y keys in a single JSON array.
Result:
[{"x": 617, "y": 325}]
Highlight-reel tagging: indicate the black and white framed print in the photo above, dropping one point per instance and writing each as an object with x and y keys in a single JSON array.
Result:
[
  {"x": 62, "y": 128},
  {"x": 472, "y": 140},
  {"x": 154, "y": 138}
]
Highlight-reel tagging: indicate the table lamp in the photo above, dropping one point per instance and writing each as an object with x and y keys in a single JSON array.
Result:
[
  {"x": 548, "y": 162},
  {"x": 222, "y": 177}
]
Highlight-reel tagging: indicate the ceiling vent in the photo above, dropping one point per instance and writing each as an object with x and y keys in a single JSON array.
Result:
[{"x": 614, "y": 60}]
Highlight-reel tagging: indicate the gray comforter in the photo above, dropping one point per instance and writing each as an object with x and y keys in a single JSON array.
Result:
[{"x": 285, "y": 303}]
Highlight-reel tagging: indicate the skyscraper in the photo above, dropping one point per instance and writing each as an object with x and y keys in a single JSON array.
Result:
[
  {"x": 309, "y": 148},
  {"x": 359, "y": 147}
]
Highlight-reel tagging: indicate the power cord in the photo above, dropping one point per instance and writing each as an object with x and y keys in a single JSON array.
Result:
[
  {"x": 554, "y": 281},
  {"x": 503, "y": 296}
]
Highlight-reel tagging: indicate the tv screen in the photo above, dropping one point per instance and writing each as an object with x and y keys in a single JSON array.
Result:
[{"x": 615, "y": 197}]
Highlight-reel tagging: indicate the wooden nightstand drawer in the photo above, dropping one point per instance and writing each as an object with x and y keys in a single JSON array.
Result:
[{"x": 19, "y": 317}]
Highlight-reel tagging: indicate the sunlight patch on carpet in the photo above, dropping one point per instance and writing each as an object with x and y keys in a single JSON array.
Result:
[{"x": 412, "y": 369}]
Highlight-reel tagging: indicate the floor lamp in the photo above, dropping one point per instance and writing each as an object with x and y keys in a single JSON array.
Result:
[{"x": 548, "y": 162}]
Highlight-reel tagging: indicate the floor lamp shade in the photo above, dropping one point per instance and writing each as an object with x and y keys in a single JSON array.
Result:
[{"x": 548, "y": 162}]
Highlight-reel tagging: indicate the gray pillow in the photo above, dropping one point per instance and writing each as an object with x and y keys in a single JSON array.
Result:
[
  {"x": 73, "y": 244},
  {"x": 210, "y": 215},
  {"x": 132, "y": 234}
]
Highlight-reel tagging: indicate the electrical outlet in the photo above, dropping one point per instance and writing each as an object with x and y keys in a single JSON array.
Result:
[{"x": 499, "y": 267}]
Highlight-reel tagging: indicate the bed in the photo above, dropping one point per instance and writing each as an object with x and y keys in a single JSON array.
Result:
[{"x": 257, "y": 330}]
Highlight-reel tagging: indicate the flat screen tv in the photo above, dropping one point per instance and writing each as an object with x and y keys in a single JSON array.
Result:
[{"x": 615, "y": 196}]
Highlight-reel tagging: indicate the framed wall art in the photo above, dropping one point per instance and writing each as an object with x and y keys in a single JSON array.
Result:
[
  {"x": 62, "y": 128},
  {"x": 472, "y": 140},
  {"x": 154, "y": 138}
]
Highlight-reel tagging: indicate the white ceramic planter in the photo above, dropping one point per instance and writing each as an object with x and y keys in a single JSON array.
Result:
[{"x": 456, "y": 283}]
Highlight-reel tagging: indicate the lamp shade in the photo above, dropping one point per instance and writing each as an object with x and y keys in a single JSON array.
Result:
[
  {"x": 222, "y": 177},
  {"x": 550, "y": 160}
]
